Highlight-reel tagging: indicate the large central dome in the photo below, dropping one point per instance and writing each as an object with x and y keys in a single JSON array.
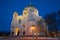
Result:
[
  {"x": 30, "y": 9},
  {"x": 31, "y": 6}
]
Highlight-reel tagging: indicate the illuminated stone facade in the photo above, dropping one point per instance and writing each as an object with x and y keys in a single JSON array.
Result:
[{"x": 29, "y": 23}]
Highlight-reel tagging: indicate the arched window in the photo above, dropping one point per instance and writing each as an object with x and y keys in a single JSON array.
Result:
[
  {"x": 19, "y": 20},
  {"x": 12, "y": 26},
  {"x": 23, "y": 25},
  {"x": 31, "y": 10}
]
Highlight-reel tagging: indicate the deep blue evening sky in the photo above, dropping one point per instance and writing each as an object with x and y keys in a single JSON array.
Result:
[{"x": 7, "y": 7}]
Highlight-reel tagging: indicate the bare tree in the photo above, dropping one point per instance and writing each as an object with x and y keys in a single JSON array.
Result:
[{"x": 51, "y": 22}]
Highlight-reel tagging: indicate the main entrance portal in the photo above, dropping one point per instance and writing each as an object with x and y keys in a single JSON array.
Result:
[
  {"x": 16, "y": 31},
  {"x": 33, "y": 30}
]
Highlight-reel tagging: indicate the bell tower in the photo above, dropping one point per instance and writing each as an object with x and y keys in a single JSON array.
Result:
[{"x": 15, "y": 14}]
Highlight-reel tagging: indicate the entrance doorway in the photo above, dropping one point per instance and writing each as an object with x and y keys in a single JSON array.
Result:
[
  {"x": 33, "y": 30},
  {"x": 16, "y": 31}
]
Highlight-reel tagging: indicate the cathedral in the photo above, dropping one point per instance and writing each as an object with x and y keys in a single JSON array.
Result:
[{"x": 29, "y": 23}]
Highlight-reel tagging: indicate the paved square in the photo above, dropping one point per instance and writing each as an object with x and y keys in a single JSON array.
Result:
[{"x": 27, "y": 38}]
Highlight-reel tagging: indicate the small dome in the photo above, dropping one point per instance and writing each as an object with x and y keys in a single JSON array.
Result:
[{"x": 15, "y": 14}]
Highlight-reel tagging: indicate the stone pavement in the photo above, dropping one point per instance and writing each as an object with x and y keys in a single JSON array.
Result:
[{"x": 27, "y": 38}]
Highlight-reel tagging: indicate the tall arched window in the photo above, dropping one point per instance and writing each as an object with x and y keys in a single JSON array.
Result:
[{"x": 19, "y": 20}]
